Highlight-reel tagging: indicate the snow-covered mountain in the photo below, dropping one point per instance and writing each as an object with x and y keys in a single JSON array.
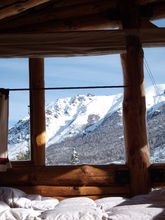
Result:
[{"x": 89, "y": 129}]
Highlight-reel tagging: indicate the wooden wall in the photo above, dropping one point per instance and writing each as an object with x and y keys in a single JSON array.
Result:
[
  {"x": 69, "y": 181},
  {"x": 63, "y": 181}
]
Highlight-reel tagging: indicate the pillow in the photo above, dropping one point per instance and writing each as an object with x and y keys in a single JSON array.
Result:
[
  {"x": 3, "y": 206},
  {"x": 19, "y": 214},
  {"x": 77, "y": 201},
  {"x": 75, "y": 212},
  {"x": 40, "y": 203},
  {"x": 109, "y": 202},
  {"x": 44, "y": 205},
  {"x": 10, "y": 195},
  {"x": 138, "y": 212},
  {"x": 18, "y": 199}
]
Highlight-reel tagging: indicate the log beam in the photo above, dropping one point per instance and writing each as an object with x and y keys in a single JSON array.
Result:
[
  {"x": 158, "y": 11},
  {"x": 37, "y": 110},
  {"x": 62, "y": 175},
  {"x": 134, "y": 118},
  {"x": 134, "y": 105},
  {"x": 76, "y": 43},
  {"x": 72, "y": 191},
  {"x": 13, "y": 7}
]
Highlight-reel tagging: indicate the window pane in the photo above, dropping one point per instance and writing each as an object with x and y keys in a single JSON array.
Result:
[
  {"x": 14, "y": 74},
  {"x": 155, "y": 102},
  {"x": 84, "y": 126}
]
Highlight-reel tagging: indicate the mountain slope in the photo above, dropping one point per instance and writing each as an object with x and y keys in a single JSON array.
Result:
[{"x": 91, "y": 126}]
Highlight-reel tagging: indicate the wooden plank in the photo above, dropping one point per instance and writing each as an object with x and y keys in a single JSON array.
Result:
[
  {"x": 71, "y": 191},
  {"x": 61, "y": 175},
  {"x": 76, "y": 43},
  {"x": 70, "y": 3},
  {"x": 87, "y": 22},
  {"x": 143, "y": 2},
  {"x": 158, "y": 11},
  {"x": 37, "y": 111},
  {"x": 72, "y": 15},
  {"x": 16, "y": 7},
  {"x": 134, "y": 118},
  {"x": 158, "y": 167},
  {"x": 53, "y": 13}
]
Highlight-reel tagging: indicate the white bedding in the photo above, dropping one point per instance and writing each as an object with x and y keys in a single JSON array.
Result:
[{"x": 16, "y": 205}]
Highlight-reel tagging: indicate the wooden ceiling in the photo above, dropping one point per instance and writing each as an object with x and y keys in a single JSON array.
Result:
[{"x": 35, "y": 28}]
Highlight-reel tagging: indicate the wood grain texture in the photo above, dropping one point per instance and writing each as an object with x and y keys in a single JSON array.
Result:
[
  {"x": 158, "y": 11},
  {"x": 67, "y": 181},
  {"x": 80, "y": 43},
  {"x": 12, "y": 7},
  {"x": 71, "y": 191},
  {"x": 134, "y": 118},
  {"x": 37, "y": 111},
  {"x": 53, "y": 13},
  {"x": 16, "y": 16},
  {"x": 61, "y": 175}
]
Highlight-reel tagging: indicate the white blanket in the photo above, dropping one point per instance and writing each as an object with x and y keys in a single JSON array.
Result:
[{"x": 16, "y": 205}]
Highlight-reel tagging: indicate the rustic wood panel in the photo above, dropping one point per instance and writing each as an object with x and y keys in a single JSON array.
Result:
[
  {"x": 37, "y": 111},
  {"x": 69, "y": 191},
  {"x": 76, "y": 43},
  {"x": 61, "y": 175}
]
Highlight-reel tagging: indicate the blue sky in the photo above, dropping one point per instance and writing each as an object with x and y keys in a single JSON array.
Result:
[{"x": 79, "y": 71}]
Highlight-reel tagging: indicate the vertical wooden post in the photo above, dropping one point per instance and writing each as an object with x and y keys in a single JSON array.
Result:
[
  {"x": 134, "y": 118},
  {"x": 37, "y": 110}
]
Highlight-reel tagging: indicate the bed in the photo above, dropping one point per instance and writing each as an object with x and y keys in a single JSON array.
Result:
[{"x": 17, "y": 205}]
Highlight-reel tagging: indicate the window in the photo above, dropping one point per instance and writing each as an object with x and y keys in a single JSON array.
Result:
[
  {"x": 14, "y": 74},
  {"x": 155, "y": 102},
  {"x": 84, "y": 126}
]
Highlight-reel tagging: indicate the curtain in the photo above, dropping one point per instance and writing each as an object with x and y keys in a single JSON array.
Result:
[{"x": 4, "y": 111}]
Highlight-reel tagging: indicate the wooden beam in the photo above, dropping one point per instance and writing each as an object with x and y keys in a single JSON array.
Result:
[
  {"x": 62, "y": 175},
  {"x": 143, "y": 2},
  {"x": 72, "y": 191},
  {"x": 90, "y": 22},
  {"x": 53, "y": 13},
  {"x": 147, "y": 24},
  {"x": 157, "y": 173},
  {"x": 70, "y": 3},
  {"x": 158, "y": 11},
  {"x": 134, "y": 118},
  {"x": 16, "y": 7},
  {"x": 72, "y": 15},
  {"x": 76, "y": 43},
  {"x": 134, "y": 105},
  {"x": 37, "y": 110},
  {"x": 59, "y": 21}
]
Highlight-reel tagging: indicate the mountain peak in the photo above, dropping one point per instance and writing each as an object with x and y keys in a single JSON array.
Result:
[{"x": 77, "y": 116}]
